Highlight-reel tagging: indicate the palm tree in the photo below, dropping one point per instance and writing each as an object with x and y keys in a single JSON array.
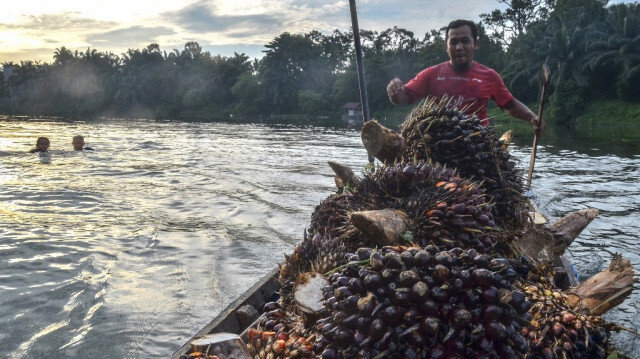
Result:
[
  {"x": 525, "y": 57},
  {"x": 63, "y": 56},
  {"x": 560, "y": 42},
  {"x": 617, "y": 45}
]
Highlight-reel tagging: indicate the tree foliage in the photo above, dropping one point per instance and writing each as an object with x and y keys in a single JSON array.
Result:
[
  {"x": 613, "y": 49},
  {"x": 505, "y": 25}
]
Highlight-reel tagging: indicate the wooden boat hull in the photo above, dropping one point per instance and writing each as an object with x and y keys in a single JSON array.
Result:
[{"x": 263, "y": 291}]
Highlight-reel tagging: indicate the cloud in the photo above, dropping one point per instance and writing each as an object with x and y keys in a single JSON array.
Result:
[
  {"x": 200, "y": 17},
  {"x": 380, "y": 15},
  {"x": 40, "y": 25},
  {"x": 129, "y": 36},
  {"x": 306, "y": 15}
]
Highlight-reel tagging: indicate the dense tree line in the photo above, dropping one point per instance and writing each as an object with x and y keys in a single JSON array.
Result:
[{"x": 593, "y": 51}]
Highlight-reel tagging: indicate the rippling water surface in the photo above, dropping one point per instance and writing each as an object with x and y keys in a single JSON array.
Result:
[{"x": 128, "y": 250}]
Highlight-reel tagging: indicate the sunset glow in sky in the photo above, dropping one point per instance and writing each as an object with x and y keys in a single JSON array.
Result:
[{"x": 34, "y": 29}]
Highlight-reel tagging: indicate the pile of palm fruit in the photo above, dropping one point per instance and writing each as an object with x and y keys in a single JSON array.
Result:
[{"x": 454, "y": 286}]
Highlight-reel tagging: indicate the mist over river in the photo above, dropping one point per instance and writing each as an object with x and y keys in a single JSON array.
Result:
[{"x": 128, "y": 250}]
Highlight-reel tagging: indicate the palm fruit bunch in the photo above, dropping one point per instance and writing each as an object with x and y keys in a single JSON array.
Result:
[
  {"x": 331, "y": 215},
  {"x": 329, "y": 232},
  {"x": 557, "y": 331},
  {"x": 446, "y": 210},
  {"x": 278, "y": 334},
  {"x": 409, "y": 302},
  {"x": 440, "y": 133},
  {"x": 324, "y": 243}
]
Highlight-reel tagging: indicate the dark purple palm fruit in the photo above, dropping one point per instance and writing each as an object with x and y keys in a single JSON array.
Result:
[
  {"x": 412, "y": 302},
  {"x": 438, "y": 132}
]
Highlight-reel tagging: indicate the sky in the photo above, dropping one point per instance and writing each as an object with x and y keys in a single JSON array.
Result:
[{"x": 34, "y": 29}]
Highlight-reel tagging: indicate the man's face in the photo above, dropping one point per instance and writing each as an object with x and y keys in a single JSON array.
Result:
[{"x": 460, "y": 47}]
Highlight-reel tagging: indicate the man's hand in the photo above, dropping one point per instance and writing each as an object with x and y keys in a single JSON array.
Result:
[
  {"x": 396, "y": 93},
  {"x": 517, "y": 109},
  {"x": 539, "y": 127}
]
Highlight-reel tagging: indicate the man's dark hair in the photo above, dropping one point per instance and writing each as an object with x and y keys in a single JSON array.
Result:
[{"x": 460, "y": 23}]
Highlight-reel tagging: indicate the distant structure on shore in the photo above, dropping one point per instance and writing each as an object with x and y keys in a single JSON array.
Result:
[{"x": 352, "y": 114}]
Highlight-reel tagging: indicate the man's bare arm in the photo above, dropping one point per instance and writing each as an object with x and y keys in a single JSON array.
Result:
[
  {"x": 397, "y": 94},
  {"x": 517, "y": 109}
]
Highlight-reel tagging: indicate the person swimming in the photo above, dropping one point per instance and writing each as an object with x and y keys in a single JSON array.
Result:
[
  {"x": 78, "y": 144},
  {"x": 42, "y": 145}
]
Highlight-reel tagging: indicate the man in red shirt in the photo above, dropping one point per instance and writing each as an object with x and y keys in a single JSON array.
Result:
[{"x": 469, "y": 83}]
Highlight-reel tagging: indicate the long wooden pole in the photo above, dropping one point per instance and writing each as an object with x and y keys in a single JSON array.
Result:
[
  {"x": 364, "y": 98},
  {"x": 546, "y": 74}
]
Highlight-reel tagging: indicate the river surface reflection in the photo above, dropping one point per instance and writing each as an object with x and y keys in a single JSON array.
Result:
[{"x": 128, "y": 250}]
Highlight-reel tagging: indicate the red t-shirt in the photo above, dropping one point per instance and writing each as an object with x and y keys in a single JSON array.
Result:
[{"x": 472, "y": 88}]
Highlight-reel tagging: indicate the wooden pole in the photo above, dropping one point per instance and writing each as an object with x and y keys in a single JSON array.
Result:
[
  {"x": 364, "y": 98},
  {"x": 546, "y": 74}
]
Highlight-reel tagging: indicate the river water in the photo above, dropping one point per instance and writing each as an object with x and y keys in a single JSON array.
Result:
[{"x": 128, "y": 250}]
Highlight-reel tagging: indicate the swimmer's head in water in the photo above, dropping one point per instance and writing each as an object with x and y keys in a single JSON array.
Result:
[
  {"x": 78, "y": 143},
  {"x": 42, "y": 144}
]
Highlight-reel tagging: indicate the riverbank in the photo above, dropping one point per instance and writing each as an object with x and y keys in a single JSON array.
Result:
[
  {"x": 604, "y": 124},
  {"x": 610, "y": 113}
]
